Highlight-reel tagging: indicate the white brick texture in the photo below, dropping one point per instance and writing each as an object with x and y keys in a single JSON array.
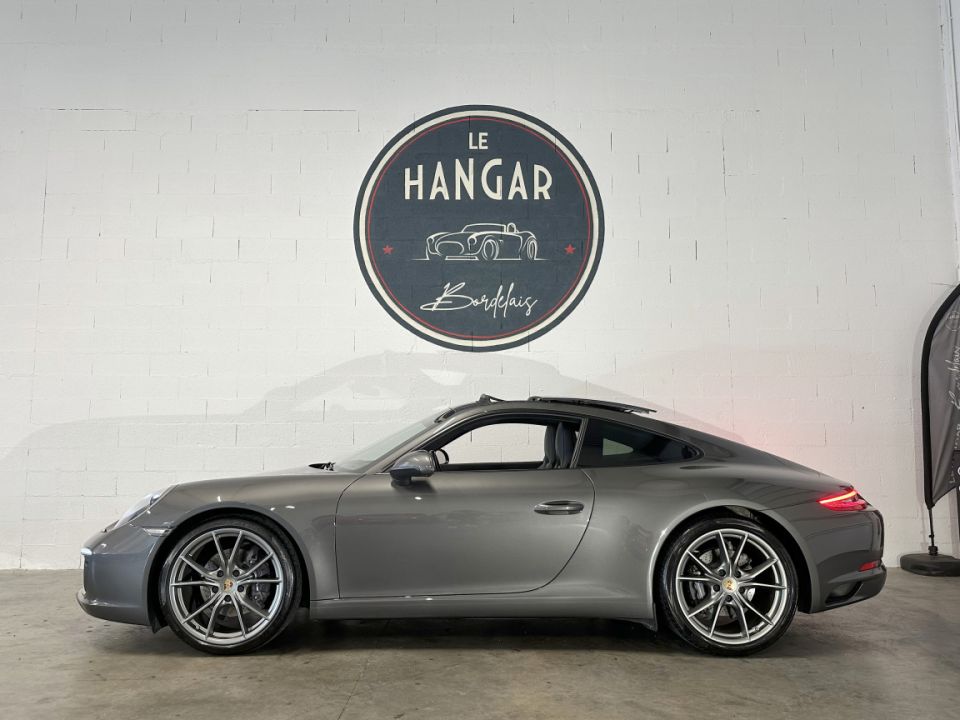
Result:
[{"x": 179, "y": 297}]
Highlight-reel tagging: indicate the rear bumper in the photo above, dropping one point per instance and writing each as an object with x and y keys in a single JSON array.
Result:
[
  {"x": 115, "y": 575},
  {"x": 843, "y": 554},
  {"x": 855, "y": 587},
  {"x": 840, "y": 552}
]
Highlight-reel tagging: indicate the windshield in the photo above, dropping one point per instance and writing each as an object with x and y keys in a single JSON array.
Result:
[{"x": 360, "y": 459}]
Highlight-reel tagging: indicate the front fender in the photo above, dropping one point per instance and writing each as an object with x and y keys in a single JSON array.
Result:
[{"x": 304, "y": 506}]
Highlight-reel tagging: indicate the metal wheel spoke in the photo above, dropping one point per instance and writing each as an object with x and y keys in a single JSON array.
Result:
[
  {"x": 250, "y": 581},
  {"x": 213, "y": 617},
  {"x": 252, "y": 608},
  {"x": 208, "y": 603},
  {"x": 243, "y": 625},
  {"x": 197, "y": 568},
  {"x": 762, "y": 585},
  {"x": 760, "y": 569},
  {"x": 716, "y": 616},
  {"x": 247, "y": 573},
  {"x": 223, "y": 558},
  {"x": 696, "y": 578},
  {"x": 746, "y": 603},
  {"x": 744, "y": 625},
  {"x": 188, "y": 583},
  {"x": 736, "y": 558},
  {"x": 710, "y": 573},
  {"x": 233, "y": 550},
  {"x": 709, "y": 602},
  {"x": 726, "y": 553}
]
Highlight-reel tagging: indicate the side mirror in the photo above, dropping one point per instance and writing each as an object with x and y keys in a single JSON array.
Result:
[{"x": 418, "y": 463}]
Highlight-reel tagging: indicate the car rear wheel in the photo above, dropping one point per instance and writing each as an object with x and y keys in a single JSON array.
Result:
[
  {"x": 229, "y": 586},
  {"x": 530, "y": 249},
  {"x": 728, "y": 587}
]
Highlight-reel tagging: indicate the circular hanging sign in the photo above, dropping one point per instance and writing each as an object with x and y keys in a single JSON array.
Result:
[{"x": 479, "y": 228}]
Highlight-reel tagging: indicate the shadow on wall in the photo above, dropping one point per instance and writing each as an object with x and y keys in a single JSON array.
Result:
[{"x": 64, "y": 482}]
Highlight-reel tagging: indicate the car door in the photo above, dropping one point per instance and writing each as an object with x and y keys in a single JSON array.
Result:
[{"x": 467, "y": 529}]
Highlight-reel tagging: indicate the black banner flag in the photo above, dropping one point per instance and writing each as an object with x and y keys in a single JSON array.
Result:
[{"x": 940, "y": 401}]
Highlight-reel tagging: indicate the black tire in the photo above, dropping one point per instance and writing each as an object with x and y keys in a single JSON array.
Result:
[
  {"x": 761, "y": 606},
  {"x": 273, "y": 589}
]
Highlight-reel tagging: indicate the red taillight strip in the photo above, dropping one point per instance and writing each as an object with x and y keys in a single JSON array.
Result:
[
  {"x": 838, "y": 498},
  {"x": 849, "y": 500}
]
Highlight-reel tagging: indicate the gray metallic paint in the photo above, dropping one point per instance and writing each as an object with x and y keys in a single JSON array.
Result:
[
  {"x": 472, "y": 545},
  {"x": 458, "y": 533}
]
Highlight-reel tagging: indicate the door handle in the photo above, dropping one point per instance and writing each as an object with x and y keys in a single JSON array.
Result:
[{"x": 559, "y": 507}]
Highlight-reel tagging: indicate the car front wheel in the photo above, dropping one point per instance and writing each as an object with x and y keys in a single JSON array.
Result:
[
  {"x": 490, "y": 250},
  {"x": 728, "y": 587},
  {"x": 229, "y": 586}
]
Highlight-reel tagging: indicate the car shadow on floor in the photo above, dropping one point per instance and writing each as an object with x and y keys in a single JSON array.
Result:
[{"x": 305, "y": 636}]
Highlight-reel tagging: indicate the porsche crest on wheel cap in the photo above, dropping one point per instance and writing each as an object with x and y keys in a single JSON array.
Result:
[{"x": 478, "y": 228}]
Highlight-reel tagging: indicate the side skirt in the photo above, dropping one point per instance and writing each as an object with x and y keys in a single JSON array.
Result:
[{"x": 486, "y": 606}]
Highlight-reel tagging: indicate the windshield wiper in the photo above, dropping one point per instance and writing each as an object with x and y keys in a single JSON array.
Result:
[{"x": 322, "y": 465}]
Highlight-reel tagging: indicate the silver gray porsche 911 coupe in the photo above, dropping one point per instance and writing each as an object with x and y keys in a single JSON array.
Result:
[{"x": 618, "y": 516}]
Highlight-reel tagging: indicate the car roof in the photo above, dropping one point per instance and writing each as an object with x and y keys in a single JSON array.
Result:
[
  {"x": 541, "y": 402},
  {"x": 711, "y": 447}
]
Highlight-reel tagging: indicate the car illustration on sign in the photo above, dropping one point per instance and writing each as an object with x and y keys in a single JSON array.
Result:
[
  {"x": 483, "y": 241},
  {"x": 618, "y": 515}
]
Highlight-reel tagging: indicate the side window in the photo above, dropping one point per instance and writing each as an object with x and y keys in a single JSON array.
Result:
[
  {"x": 498, "y": 444},
  {"x": 609, "y": 444}
]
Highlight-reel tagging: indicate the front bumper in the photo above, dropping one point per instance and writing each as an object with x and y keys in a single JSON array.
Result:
[{"x": 116, "y": 567}]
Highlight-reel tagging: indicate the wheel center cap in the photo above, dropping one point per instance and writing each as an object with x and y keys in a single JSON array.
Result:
[
  {"x": 730, "y": 585},
  {"x": 227, "y": 585}
]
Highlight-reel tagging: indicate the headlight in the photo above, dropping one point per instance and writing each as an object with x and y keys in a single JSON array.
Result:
[{"x": 139, "y": 507}]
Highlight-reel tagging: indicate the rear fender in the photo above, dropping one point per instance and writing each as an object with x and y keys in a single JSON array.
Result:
[{"x": 771, "y": 519}]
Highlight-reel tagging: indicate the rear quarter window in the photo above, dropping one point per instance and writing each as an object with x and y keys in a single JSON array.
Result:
[{"x": 610, "y": 444}]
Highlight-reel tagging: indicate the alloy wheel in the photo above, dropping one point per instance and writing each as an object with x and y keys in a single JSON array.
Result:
[
  {"x": 226, "y": 586},
  {"x": 731, "y": 586}
]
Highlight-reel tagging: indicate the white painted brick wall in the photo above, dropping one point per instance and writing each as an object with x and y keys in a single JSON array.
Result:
[{"x": 179, "y": 297}]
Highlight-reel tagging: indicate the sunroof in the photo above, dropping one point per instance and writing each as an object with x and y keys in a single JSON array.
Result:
[{"x": 604, "y": 404}]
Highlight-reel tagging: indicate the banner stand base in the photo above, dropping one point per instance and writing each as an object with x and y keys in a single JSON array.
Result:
[{"x": 932, "y": 565}]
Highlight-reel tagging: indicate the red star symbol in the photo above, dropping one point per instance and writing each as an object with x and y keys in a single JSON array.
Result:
[
  {"x": 569, "y": 249},
  {"x": 388, "y": 249}
]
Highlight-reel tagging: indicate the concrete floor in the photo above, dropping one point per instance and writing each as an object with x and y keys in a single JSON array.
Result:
[{"x": 896, "y": 656}]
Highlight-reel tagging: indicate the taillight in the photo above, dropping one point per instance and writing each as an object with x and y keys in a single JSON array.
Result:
[{"x": 849, "y": 500}]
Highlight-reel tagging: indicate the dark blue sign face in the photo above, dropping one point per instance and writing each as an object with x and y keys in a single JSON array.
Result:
[{"x": 479, "y": 228}]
